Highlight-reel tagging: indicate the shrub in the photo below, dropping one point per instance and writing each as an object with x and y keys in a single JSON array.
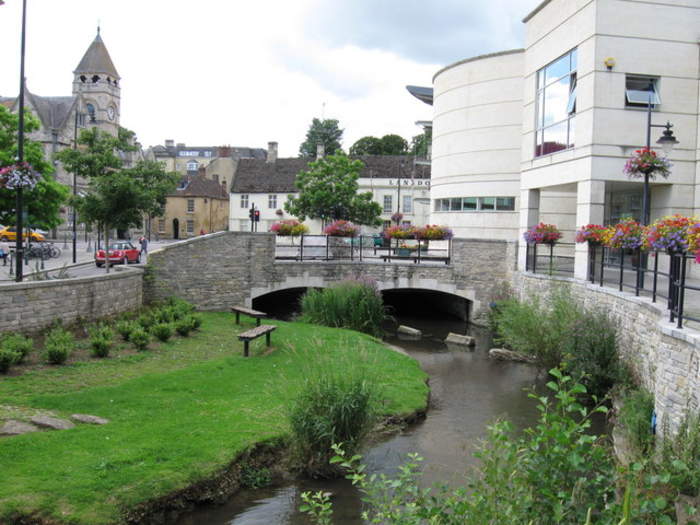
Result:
[
  {"x": 196, "y": 321},
  {"x": 58, "y": 345},
  {"x": 139, "y": 338},
  {"x": 680, "y": 456},
  {"x": 18, "y": 344},
  {"x": 184, "y": 326},
  {"x": 7, "y": 359},
  {"x": 124, "y": 328},
  {"x": 147, "y": 320},
  {"x": 634, "y": 418},
  {"x": 101, "y": 341},
  {"x": 333, "y": 407},
  {"x": 253, "y": 477},
  {"x": 166, "y": 314},
  {"x": 162, "y": 331},
  {"x": 351, "y": 304}
]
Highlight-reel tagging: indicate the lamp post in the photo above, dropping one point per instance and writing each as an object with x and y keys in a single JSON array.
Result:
[{"x": 19, "y": 250}]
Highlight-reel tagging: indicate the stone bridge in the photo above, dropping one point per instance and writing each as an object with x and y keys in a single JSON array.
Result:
[{"x": 219, "y": 270}]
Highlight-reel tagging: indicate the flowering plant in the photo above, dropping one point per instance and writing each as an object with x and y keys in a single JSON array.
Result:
[
  {"x": 671, "y": 233},
  {"x": 20, "y": 175},
  {"x": 542, "y": 234},
  {"x": 290, "y": 227},
  {"x": 433, "y": 232},
  {"x": 626, "y": 234},
  {"x": 645, "y": 161},
  {"x": 396, "y": 217},
  {"x": 400, "y": 232},
  {"x": 590, "y": 233},
  {"x": 341, "y": 228}
]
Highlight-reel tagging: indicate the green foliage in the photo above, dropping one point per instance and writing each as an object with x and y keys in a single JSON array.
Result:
[
  {"x": 387, "y": 145},
  {"x": 634, "y": 419},
  {"x": 196, "y": 321},
  {"x": 328, "y": 191},
  {"x": 680, "y": 456},
  {"x": 17, "y": 343},
  {"x": 139, "y": 338},
  {"x": 420, "y": 143},
  {"x": 58, "y": 345},
  {"x": 7, "y": 359},
  {"x": 124, "y": 328},
  {"x": 333, "y": 406},
  {"x": 324, "y": 132},
  {"x": 184, "y": 326},
  {"x": 351, "y": 304},
  {"x": 147, "y": 320},
  {"x": 253, "y": 477},
  {"x": 43, "y": 203},
  {"x": 162, "y": 331},
  {"x": 101, "y": 340},
  {"x": 318, "y": 505}
]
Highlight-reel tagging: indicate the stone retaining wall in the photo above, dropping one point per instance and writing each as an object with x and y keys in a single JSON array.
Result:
[
  {"x": 666, "y": 360},
  {"x": 32, "y": 306}
]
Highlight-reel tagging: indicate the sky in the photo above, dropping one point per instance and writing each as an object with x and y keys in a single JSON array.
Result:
[{"x": 214, "y": 72}]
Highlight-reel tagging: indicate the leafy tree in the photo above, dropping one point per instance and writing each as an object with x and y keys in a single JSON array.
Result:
[
  {"x": 324, "y": 132},
  {"x": 394, "y": 145},
  {"x": 367, "y": 146},
  {"x": 43, "y": 203},
  {"x": 156, "y": 182},
  {"x": 420, "y": 143},
  {"x": 328, "y": 191}
]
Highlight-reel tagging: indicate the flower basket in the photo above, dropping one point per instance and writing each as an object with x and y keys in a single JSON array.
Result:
[
  {"x": 433, "y": 232},
  {"x": 341, "y": 228},
  {"x": 591, "y": 233},
  {"x": 542, "y": 234},
  {"x": 279, "y": 212},
  {"x": 627, "y": 234},
  {"x": 672, "y": 234},
  {"x": 646, "y": 162},
  {"x": 289, "y": 228},
  {"x": 20, "y": 175},
  {"x": 396, "y": 217},
  {"x": 400, "y": 232}
]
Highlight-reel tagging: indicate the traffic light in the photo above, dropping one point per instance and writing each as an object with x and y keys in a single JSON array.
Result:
[
  {"x": 251, "y": 214},
  {"x": 256, "y": 215}
]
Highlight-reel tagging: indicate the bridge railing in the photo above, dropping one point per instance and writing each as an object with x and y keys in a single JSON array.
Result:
[
  {"x": 556, "y": 259},
  {"x": 362, "y": 248}
]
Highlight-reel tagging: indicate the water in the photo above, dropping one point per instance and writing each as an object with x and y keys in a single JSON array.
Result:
[{"x": 468, "y": 391}]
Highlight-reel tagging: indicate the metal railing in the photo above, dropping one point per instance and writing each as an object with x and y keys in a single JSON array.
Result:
[
  {"x": 362, "y": 248},
  {"x": 550, "y": 259}
]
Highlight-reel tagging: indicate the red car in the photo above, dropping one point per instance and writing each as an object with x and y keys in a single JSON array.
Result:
[{"x": 119, "y": 252}]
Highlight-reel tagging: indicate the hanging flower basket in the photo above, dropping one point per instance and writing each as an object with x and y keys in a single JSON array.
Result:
[
  {"x": 671, "y": 234},
  {"x": 396, "y": 217},
  {"x": 400, "y": 232},
  {"x": 289, "y": 228},
  {"x": 433, "y": 232},
  {"x": 591, "y": 233},
  {"x": 279, "y": 212},
  {"x": 542, "y": 234},
  {"x": 20, "y": 175},
  {"x": 646, "y": 162},
  {"x": 627, "y": 234},
  {"x": 341, "y": 228}
]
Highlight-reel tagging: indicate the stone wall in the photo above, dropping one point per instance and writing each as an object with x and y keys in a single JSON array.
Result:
[
  {"x": 223, "y": 269},
  {"x": 664, "y": 359},
  {"x": 31, "y": 306}
]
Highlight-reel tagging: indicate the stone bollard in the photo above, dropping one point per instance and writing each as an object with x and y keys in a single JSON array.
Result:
[
  {"x": 407, "y": 330},
  {"x": 458, "y": 339}
]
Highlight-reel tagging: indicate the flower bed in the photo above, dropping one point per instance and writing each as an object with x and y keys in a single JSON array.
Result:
[
  {"x": 341, "y": 228},
  {"x": 289, "y": 227},
  {"x": 433, "y": 232},
  {"x": 542, "y": 234}
]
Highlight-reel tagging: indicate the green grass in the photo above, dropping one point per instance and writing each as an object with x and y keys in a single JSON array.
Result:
[{"x": 179, "y": 414}]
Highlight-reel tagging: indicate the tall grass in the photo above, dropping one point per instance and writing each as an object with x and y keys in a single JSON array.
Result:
[{"x": 356, "y": 305}]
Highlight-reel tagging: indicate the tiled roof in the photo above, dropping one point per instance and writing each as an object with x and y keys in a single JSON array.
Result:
[
  {"x": 97, "y": 60},
  {"x": 52, "y": 111},
  {"x": 200, "y": 186},
  {"x": 237, "y": 152},
  {"x": 259, "y": 176},
  {"x": 8, "y": 102}
]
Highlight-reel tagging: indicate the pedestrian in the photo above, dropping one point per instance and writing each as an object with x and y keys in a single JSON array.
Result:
[
  {"x": 144, "y": 245},
  {"x": 202, "y": 232}
]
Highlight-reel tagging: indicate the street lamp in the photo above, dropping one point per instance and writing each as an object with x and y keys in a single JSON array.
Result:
[{"x": 20, "y": 150}]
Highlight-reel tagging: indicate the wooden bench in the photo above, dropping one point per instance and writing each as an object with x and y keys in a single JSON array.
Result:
[
  {"x": 254, "y": 333},
  {"x": 238, "y": 310}
]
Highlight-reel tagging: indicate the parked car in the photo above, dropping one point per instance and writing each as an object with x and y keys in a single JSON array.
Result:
[
  {"x": 9, "y": 233},
  {"x": 121, "y": 252}
]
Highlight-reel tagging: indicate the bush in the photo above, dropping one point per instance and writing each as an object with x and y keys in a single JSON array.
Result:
[
  {"x": 58, "y": 346},
  {"x": 333, "y": 407},
  {"x": 124, "y": 328},
  {"x": 165, "y": 314},
  {"x": 162, "y": 331},
  {"x": 351, "y": 304},
  {"x": 147, "y": 320},
  {"x": 680, "y": 456},
  {"x": 139, "y": 338},
  {"x": 634, "y": 418},
  {"x": 7, "y": 359},
  {"x": 101, "y": 341},
  {"x": 196, "y": 321},
  {"x": 184, "y": 326},
  {"x": 18, "y": 344}
]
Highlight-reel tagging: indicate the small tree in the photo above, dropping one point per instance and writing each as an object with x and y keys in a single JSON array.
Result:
[
  {"x": 393, "y": 145},
  {"x": 324, "y": 132},
  {"x": 328, "y": 191},
  {"x": 367, "y": 146},
  {"x": 156, "y": 183},
  {"x": 420, "y": 143}
]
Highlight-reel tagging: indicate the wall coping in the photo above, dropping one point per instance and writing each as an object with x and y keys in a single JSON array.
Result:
[
  {"x": 121, "y": 273},
  {"x": 199, "y": 238}
]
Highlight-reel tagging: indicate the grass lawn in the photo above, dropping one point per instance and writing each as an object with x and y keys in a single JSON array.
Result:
[{"x": 179, "y": 413}]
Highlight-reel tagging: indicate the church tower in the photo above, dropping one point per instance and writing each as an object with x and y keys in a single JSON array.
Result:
[{"x": 96, "y": 86}]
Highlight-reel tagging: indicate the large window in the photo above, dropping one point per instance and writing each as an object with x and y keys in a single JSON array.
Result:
[
  {"x": 190, "y": 226},
  {"x": 190, "y": 205},
  {"x": 555, "y": 105},
  {"x": 388, "y": 204},
  {"x": 475, "y": 204},
  {"x": 407, "y": 204},
  {"x": 244, "y": 201},
  {"x": 161, "y": 225}
]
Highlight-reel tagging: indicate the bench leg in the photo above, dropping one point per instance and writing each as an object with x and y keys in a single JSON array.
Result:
[
  {"x": 267, "y": 338},
  {"x": 245, "y": 348},
  {"x": 238, "y": 318},
  {"x": 257, "y": 321}
]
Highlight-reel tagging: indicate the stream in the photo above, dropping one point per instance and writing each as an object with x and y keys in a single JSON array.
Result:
[{"x": 468, "y": 391}]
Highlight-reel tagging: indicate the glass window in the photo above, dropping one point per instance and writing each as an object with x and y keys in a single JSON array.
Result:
[
  {"x": 639, "y": 91},
  {"x": 456, "y": 204},
  {"x": 161, "y": 225},
  {"x": 244, "y": 201},
  {"x": 405, "y": 223},
  {"x": 388, "y": 203},
  {"x": 190, "y": 205},
  {"x": 505, "y": 203},
  {"x": 487, "y": 203},
  {"x": 190, "y": 226},
  {"x": 407, "y": 204},
  {"x": 272, "y": 201},
  {"x": 555, "y": 105},
  {"x": 469, "y": 203}
]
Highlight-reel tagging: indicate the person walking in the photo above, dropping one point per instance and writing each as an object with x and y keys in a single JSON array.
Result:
[{"x": 144, "y": 245}]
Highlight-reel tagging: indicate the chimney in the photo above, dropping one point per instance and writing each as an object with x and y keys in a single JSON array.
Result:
[
  {"x": 181, "y": 145},
  {"x": 169, "y": 143},
  {"x": 320, "y": 150},
  {"x": 224, "y": 151},
  {"x": 271, "y": 152},
  {"x": 202, "y": 171}
]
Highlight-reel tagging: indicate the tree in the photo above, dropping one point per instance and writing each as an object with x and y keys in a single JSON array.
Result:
[
  {"x": 420, "y": 143},
  {"x": 387, "y": 145},
  {"x": 42, "y": 203},
  {"x": 324, "y": 132},
  {"x": 328, "y": 191},
  {"x": 394, "y": 145}
]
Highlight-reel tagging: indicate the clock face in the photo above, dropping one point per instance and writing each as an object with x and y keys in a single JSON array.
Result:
[{"x": 110, "y": 113}]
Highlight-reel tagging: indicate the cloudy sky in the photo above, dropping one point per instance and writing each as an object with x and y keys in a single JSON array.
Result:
[{"x": 213, "y": 72}]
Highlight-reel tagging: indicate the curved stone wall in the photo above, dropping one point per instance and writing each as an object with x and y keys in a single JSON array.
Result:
[{"x": 477, "y": 137}]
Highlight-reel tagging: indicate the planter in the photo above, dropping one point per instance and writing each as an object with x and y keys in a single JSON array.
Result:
[{"x": 403, "y": 252}]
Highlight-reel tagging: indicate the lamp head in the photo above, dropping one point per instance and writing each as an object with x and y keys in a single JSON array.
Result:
[{"x": 668, "y": 140}]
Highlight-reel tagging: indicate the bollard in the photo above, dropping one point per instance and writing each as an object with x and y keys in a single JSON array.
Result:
[
  {"x": 11, "y": 264},
  {"x": 42, "y": 259},
  {"x": 65, "y": 241},
  {"x": 88, "y": 248}
]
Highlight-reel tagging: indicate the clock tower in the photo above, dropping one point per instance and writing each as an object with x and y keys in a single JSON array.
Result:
[{"x": 96, "y": 87}]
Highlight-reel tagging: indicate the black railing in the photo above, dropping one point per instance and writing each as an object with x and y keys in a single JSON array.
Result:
[
  {"x": 550, "y": 259},
  {"x": 362, "y": 248}
]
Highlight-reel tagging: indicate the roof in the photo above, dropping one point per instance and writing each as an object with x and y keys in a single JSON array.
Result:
[
  {"x": 8, "y": 102},
  {"x": 97, "y": 60},
  {"x": 52, "y": 111},
  {"x": 424, "y": 94},
  {"x": 478, "y": 57},
  {"x": 259, "y": 176},
  {"x": 200, "y": 186},
  {"x": 238, "y": 152},
  {"x": 536, "y": 10}
]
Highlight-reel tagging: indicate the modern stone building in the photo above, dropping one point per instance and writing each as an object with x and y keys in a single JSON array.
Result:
[
  {"x": 397, "y": 182},
  {"x": 542, "y": 133}
]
